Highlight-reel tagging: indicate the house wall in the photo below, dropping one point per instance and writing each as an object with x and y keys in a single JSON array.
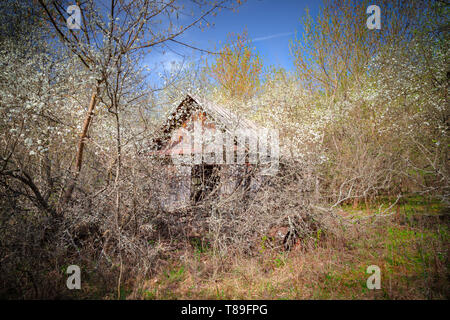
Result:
[{"x": 178, "y": 187}]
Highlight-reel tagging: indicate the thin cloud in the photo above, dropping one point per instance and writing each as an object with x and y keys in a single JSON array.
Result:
[{"x": 272, "y": 36}]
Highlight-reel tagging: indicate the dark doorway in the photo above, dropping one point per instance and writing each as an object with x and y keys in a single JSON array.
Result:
[{"x": 205, "y": 178}]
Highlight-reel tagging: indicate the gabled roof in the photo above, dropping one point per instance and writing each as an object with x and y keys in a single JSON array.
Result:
[{"x": 222, "y": 116}]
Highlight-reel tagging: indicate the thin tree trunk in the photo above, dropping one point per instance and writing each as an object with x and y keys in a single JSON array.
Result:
[
  {"x": 81, "y": 143},
  {"x": 118, "y": 196}
]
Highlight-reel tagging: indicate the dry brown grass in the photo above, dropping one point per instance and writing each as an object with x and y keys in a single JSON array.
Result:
[{"x": 410, "y": 247}]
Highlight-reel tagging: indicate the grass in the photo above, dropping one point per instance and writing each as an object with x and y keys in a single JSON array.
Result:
[{"x": 411, "y": 248}]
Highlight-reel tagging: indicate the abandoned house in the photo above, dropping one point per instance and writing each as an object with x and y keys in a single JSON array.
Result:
[{"x": 209, "y": 152}]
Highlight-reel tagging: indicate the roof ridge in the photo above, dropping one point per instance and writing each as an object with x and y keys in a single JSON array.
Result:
[{"x": 223, "y": 113}]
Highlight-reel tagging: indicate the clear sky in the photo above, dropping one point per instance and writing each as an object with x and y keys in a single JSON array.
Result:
[{"x": 270, "y": 25}]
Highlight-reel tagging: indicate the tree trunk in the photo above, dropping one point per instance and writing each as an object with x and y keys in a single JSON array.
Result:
[{"x": 81, "y": 143}]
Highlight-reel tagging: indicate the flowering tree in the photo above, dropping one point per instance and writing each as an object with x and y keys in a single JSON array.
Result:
[
  {"x": 336, "y": 46},
  {"x": 410, "y": 86},
  {"x": 339, "y": 60},
  {"x": 120, "y": 31},
  {"x": 40, "y": 90}
]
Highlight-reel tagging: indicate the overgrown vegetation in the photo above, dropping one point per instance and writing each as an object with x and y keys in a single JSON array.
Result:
[
  {"x": 410, "y": 247},
  {"x": 364, "y": 168}
]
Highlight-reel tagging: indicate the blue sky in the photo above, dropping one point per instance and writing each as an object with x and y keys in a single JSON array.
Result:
[{"x": 270, "y": 25}]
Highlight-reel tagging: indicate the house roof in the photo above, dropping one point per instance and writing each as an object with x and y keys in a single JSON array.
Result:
[
  {"x": 222, "y": 116},
  {"x": 225, "y": 116}
]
